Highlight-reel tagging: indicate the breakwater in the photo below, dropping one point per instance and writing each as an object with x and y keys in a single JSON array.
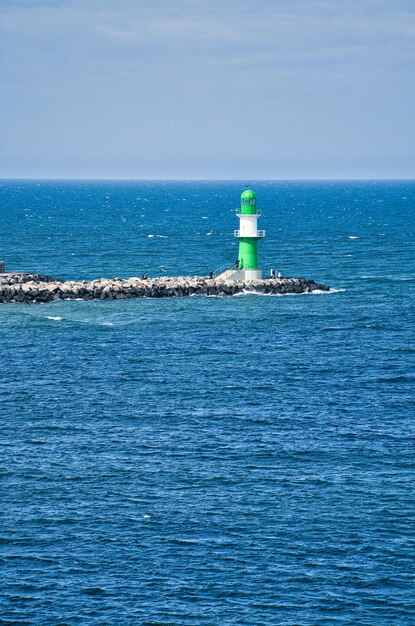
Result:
[{"x": 24, "y": 287}]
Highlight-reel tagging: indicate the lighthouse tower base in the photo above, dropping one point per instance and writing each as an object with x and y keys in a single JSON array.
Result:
[
  {"x": 244, "y": 275},
  {"x": 252, "y": 274}
]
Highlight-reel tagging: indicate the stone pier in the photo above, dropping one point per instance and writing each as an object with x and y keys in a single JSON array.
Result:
[{"x": 28, "y": 288}]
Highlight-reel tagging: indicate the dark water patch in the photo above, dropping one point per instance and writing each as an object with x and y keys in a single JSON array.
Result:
[
  {"x": 397, "y": 379},
  {"x": 93, "y": 591}
]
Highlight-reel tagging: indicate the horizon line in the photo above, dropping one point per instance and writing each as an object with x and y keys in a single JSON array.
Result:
[{"x": 93, "y": 179}]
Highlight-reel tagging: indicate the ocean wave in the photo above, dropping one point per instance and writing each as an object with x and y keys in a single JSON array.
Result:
[{"x": 389, "y": 277}]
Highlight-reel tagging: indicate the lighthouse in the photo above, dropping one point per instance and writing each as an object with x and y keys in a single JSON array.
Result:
[{"x": 248, "y": 235}]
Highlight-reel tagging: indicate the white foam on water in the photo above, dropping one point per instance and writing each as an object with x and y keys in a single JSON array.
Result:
[
  {"x": 162, "y": 236},
  {"x": 317, "y": 292},
  {"x": 55, "y": 318},
  {"x": 106, "y": 324},
  {"x": 353, "y": 237}
]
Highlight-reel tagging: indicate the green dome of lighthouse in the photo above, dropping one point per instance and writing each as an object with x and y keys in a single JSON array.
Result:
[
  {"x": 248, "y": 201},
  {"x": 248, "y": 194}
]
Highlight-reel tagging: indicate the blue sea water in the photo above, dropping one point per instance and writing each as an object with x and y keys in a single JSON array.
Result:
[{"x": 209, "y": 461}]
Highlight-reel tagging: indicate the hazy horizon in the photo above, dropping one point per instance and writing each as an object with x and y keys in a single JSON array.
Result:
[{"x": 241, "y": 180}]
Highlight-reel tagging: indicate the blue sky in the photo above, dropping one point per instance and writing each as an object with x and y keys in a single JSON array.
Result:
[{"x": 207, "y": 89}]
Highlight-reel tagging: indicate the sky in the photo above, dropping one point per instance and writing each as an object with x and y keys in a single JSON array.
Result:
[{"x": 207, "y": 89}]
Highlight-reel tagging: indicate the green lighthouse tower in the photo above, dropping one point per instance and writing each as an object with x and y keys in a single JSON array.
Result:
[{"x": 248, "y": 235}]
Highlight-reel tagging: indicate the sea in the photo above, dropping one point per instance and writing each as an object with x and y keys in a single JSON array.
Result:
[{"x": 211, "y": 461}]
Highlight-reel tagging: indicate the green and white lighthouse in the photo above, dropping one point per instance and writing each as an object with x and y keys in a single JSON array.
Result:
[{"x": 248, "y": 235}]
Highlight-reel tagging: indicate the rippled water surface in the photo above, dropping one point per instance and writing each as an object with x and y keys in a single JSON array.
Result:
[{"x": 209, "y": 461}]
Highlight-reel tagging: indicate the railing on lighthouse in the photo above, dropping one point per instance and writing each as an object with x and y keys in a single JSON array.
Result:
[{"x": 259, "y": 233}]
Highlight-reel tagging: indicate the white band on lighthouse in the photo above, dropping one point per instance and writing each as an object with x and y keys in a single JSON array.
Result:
[{"x": 248, "y": 225}]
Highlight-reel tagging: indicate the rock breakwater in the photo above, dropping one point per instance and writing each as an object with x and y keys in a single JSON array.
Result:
[{"x": 22, "y": 287}]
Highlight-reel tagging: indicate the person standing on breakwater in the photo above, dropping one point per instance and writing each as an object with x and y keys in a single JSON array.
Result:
[{"x": 272, "y": 273}]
